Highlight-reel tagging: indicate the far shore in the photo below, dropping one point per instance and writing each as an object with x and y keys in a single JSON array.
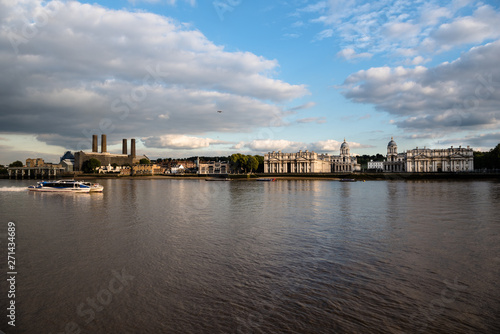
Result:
[{"x": 327, "y": 177}]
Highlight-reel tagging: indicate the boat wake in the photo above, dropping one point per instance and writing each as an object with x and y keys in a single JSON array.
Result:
[{"x": 13, "y": 189}]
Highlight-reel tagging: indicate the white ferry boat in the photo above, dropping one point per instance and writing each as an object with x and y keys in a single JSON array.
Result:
[{"x": 68, "y": 186}]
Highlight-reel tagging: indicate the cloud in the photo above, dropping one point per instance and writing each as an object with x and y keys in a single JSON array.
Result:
[
  {"x": 480, "y": 26},
  {"x": 398, "y": 27},
  {"x": 81, "y": 69},
  {"x": 268, "y": 145},
  {"x": 490, "y": 139},
  {"x": 350, "y": 54},
  {"x": 317, "y": 120},
  {"x": 324, "y": 34},
  {"x": 303, "y": 106},
  {"x": 168, "y": 2},
  {"x": 460, "y": 94},
  {"x": 179, "y": 142},
  {"x": 332, "y": 145}
]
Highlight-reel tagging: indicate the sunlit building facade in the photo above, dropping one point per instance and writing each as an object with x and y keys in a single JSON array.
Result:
[
  {"x": 426, "y": 160},
  {"x": 311, "y": 162}
]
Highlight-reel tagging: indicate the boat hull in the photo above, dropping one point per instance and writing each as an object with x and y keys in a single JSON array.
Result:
[{"x": 55, "y": 190}]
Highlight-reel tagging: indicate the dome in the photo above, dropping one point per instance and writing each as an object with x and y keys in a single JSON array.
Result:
[
  {"x": 344, "y": 145},
  {"x": 392, "y": 143}
]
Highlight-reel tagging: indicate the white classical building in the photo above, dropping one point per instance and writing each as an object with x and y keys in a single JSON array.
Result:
[
  {"x": 429, "y": 160},
  {"x": 395, "y": 161},
  {"x": 440, "y": 160},
  {"x": 311, "y": 162},
  {"x": 375, "y": 165}
]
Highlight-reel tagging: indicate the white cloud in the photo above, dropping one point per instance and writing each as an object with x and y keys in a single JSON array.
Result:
[
  {"x": 460, "y": 94},
  {"x": 324, "y": 34},
  {"x": 268, "y": 145},
  {"x": 332, "y": 146},
  {"x": 169, "y": 2},
  {"x": 481, "y": 26},
  {"x": 83, "y": 69},
  {"x": 179, "y": 142},
  {"x": 350, "y": 54},
  {"x": 399, "y": 27}
]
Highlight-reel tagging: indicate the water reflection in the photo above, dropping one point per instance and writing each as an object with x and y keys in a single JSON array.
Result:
[{"x": 287, "y": 256}]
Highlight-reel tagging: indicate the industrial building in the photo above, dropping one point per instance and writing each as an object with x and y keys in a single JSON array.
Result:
[{"x": 106, "y": 158}]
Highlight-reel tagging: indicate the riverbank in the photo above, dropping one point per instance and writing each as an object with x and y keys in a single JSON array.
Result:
[
  {"x": 315, "y": 176},
  {"x": 325, "y": 176}
]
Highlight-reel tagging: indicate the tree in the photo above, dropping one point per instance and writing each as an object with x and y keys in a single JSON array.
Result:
[
  {"x": 89, "y": 166},
  {"x": 487, "y": 160},
  {"x": 236, "y": 160},
  {"x": 495, "y": 157},
  {"x": 260, "y": 159},
  {"x": 251, "y": 164},
  {"x": 16, "y": 163},
  {"x": 144, "y": 161}
]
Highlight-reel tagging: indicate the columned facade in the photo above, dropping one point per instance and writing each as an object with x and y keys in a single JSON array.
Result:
[
  {"x": 310, "y": 162},
  {"x": 428, "y": 160},
  {"x": 440, "y": 160}
]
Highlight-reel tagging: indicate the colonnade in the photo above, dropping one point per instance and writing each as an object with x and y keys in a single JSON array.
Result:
[{"x": 35, "y": 172}]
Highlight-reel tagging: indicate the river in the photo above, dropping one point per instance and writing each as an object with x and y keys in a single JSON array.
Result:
[{"x": 296, "y": 256}]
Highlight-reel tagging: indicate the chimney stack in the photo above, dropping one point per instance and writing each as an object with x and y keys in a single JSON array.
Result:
[
  {"x": 94, "y": 143},
  {"x": 132, "y": 148},
  {"x": 103, "y": 143},
  {"x": 124, "y": 146}
]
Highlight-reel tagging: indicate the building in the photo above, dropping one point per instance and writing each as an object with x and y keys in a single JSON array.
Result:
[
  {"x": 187, "y": 164},
  {"x": 179, "y": 169},
  {"x": 440, "y": 160},
  {"x": 311, "y": 162},
  {"x": 395, "y": 162},
  {"x": 429, "y": 160},
  {"x": 67, "y": 161},
  {"x": 106, "y": 158},
  {"x": 214, "y": 167},
  {"x": 375, "y": 165},
  {"x": 150, "y": 169},
  {"x": 37, "y": 162}
]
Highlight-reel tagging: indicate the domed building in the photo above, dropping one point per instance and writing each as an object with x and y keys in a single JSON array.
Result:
[
  {"x": 427, "y": 160},
  {"x": 311, "y": 162},
  {"x": 395, "y": 162}
]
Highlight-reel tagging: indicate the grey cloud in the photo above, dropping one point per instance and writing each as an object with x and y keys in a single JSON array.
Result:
[
  {"x": 483, "y": 140},
  {"x": 87, "y": 68},
  {"x": 460, "y": 94}
]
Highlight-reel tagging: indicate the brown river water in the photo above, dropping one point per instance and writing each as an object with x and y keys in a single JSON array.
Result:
[{"x": 297, "y": 256}]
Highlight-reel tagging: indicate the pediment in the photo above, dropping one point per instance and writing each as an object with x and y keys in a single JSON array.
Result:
[{"x": 421, "y": 156}]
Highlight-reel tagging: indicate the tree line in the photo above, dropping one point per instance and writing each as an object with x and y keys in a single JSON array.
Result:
[{"x": 487, "y": 160}]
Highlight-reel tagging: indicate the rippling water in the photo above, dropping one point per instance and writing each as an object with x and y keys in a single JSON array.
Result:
[{"x": 189, "y": 256}]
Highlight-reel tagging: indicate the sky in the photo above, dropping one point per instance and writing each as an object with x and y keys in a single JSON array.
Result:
[{"x": 213, "y": 78}]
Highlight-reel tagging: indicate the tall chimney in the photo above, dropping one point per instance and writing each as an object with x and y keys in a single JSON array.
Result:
[
  {"x": 124, "y": 146},
  {"x": 103, "y": 143},
  {"x": 132, "y": 148},
  {"x": 94, "y": 143}
]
